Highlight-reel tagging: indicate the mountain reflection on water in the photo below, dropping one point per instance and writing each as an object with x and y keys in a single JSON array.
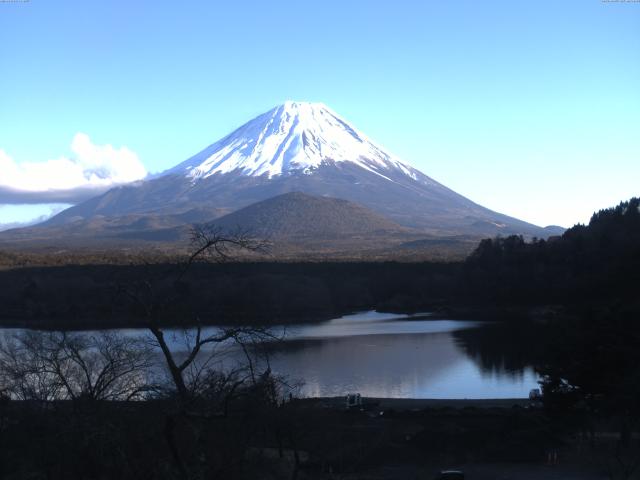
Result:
[{"x": 384, "y": 355}]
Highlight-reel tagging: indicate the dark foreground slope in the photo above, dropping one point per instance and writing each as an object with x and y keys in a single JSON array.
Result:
[{"x": 300, "y": 439}]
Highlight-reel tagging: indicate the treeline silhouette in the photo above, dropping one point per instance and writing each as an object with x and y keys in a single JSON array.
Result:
[
  {"x": 587, "y": 264},
  {"x": 228, "y": 293}
]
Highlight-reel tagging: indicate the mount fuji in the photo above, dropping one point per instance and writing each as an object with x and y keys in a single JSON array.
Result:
[{"x": 298, "y": 147}]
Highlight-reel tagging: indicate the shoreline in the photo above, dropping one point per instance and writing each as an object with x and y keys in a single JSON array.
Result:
[{"x": 385, "y": 403}]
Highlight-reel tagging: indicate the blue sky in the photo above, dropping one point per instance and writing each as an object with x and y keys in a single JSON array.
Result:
[{"x": 528, "y": 108}]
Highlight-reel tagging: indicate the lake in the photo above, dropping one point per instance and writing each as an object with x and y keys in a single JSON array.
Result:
[
  {"x": 399, "y": 356},
  {"x": 388, "y": 355}
]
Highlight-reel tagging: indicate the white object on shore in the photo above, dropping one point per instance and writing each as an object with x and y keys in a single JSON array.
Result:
[
  {"x": 535, "y": 395},
  {"x": 353, "y": 400}
]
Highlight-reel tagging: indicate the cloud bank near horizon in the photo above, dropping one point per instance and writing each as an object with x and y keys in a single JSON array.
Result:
[
  {"x": 91, "y": 170},
  {"x": 19, "y": 216}
]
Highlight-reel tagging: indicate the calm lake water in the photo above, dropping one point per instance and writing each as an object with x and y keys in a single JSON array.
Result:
[
  {"x": 388, "y": 355},
  {"x": 385, "y": 355}
]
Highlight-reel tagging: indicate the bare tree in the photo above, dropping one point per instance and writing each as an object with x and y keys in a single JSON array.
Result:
[
  {"x": 49, "y": 366},
  {"x": 190, "y": 367}
]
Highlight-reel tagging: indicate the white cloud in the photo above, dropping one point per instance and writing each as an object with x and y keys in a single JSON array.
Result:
[{"x": 92, "y": 167}]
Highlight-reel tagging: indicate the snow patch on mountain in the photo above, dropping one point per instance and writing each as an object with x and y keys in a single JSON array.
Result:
[{"x": 295, "y": 136}]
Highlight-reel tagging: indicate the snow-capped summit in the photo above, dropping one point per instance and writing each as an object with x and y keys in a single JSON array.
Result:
[{"x": 291, "y": 137}]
